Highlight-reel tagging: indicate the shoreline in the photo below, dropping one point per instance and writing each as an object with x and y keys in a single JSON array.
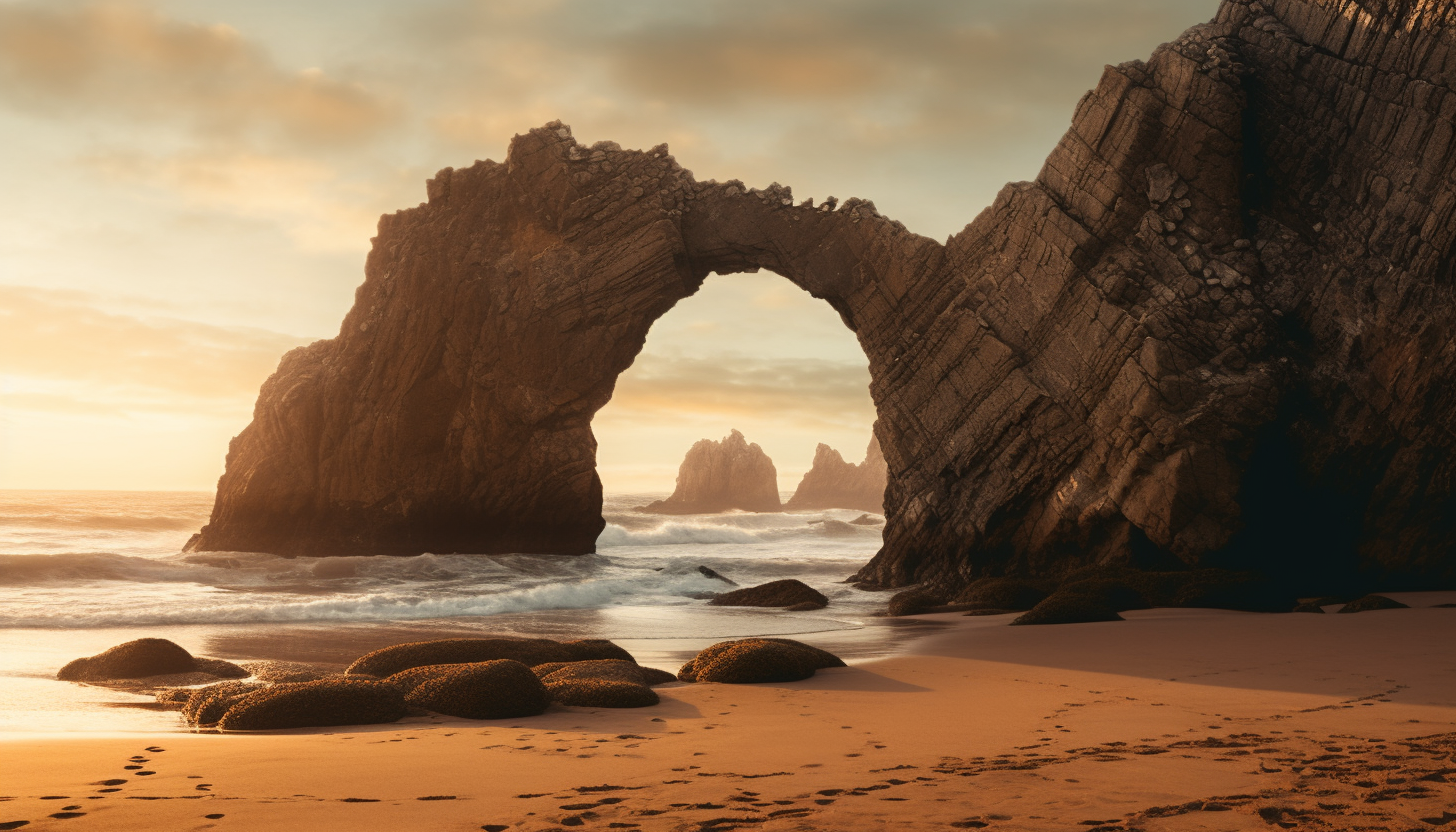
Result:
[{"x": 975, "y": 726}]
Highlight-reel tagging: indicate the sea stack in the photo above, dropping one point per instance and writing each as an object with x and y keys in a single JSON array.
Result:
[
  {"x": 722, "y": 476},
  {"x": 834, "y": 483}
]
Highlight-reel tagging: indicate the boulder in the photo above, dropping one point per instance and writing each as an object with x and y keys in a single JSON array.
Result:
[
  {"x": 1069, "y": 607},
  {"x": 751, "y": 660},
  {"x": 315, "y": 705},
  {"x": 590, "y": 692},
  {"x": 1225, "y": 590},
  {"x": 1003, "y": 594},
  {"x": 603, "y": 669},
  {"x": 498, "y": 689},
  {"x": 915, "y": 602},
  {"x": 722, "y": 476},
  {"x": 1116, "y": 594},
  {"x": 280, "y": 671},
  {"x": 528, "y": 651},
  {"x": 785, "y": 593},
  {"x": 142, "y": 658},
  {"x": 1309, "y": 607},
  {"x": 207, "y": 705},
  {"x": 833, "y": 483},
  {"x": 1373, "y": 602}
]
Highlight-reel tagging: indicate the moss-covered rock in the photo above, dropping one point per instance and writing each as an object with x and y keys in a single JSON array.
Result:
[
  {"x": 528, "y": 651},
  {"x": 1371, "y": 603},
  {"x": 281, "y": 671},
  {"x": 607, "y": 669},
  {"x": 315, "y": 704},
  {"x": 750, "y": 660},
  {"x": 497, "y": 689},
  {"x": 136, "y": 660},
  {"x": 1069, "y": 607},
  {"x": 205, "y": 706},
  {"x": 599, "y": 692},
  {"x": 785, "y": 593}
]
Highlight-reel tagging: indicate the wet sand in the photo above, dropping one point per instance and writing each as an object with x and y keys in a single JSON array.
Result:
[{"x": 1173, "y": 719}]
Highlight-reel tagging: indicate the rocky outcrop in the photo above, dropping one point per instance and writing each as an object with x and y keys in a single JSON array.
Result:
[
  {"x": 1216, "y": 330},
  {"x": 147, "y": 658},
  {"x": 722, "y": 476},
  {"x": 833, "y": 483}
]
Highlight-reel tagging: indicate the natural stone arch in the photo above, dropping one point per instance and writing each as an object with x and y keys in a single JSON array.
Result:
[
  {"x": 1084, "y": 374},
  {"x": 453, "y": 411}
]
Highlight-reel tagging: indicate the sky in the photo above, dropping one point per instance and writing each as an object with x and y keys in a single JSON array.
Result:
[{"x": 188, "y": 189}]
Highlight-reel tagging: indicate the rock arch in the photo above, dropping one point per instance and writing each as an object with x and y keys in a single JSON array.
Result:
[{"x": 1240, "y": 251}]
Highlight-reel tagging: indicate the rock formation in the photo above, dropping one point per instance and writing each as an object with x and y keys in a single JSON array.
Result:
[
  {"x": 1215, "y": 330},
  {"x": 722, "y": 476},
  {"x": 833, "y": 483}
]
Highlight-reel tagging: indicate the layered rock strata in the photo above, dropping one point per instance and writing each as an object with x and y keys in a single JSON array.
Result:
[
  {"x": 1215, "y": 330},
  {"x": 722, "y": 476},
  {"x": 833, "y": 483}
]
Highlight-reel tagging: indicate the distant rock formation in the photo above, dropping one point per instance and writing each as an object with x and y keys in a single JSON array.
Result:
[
  {"x": 722, "y": 476},
  {"x": 1215, "y": 330},
  {"x": 834, "y": 483}
]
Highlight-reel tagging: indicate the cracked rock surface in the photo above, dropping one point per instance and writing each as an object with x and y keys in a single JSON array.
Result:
[{"x": 1215, "y": 330}]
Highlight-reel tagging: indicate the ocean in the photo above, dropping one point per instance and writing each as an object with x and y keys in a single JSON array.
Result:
[{"x": 83, "y": 571}]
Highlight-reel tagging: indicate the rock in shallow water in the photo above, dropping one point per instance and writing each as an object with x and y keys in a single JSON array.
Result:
[
  {"x": 750, "y": 660},
  {"x": 142, "y": 658},
  {"x": 785, "y": 593}
]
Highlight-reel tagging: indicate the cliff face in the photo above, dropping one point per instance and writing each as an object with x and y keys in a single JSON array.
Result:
[
  {"x": 1217, "y": 329},
  {"x": 722, "y": 476},
  {"x": 833, "y": 483}
]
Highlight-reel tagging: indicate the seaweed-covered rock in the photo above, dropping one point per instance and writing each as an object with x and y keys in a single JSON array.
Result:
[
  {"x": 604, "y": 669},
  {"x": 1373, "y": 602},
  {"x": 785, "y": 593},
  {"x": 1068, "y": 607},
  {"x": 528, "y": 651},
  {"x": 205, "y": 706},
  {"x": 1003, "y": 594},
  {"x": 281, "y": 671},
  {"x": 315, "y": 704},
  {"x": 497, "y": 689},
  {"x": 750, "y": 660},
  {"x": 599, "y": 692},
  {"x": 132, "y": 660},
  {"x": 914, "y": 602}
]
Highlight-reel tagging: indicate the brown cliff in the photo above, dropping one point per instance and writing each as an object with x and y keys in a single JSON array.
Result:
[
  {"x": 1216, "y": 329},
  {"x": 833, "y": 483},
  {"x": 722, "y": 476}
]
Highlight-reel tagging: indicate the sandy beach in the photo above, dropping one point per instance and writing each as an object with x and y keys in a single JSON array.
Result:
[{"x": 1173, "y": 719}]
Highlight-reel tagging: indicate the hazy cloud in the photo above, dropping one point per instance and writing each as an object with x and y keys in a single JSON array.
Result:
[
  {"x": 62, "y": 351},
  {"x": 802, "y": 391},
  {"x": 127, "y": 61}
]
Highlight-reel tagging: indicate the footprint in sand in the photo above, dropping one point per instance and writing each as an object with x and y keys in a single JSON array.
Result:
[
  {"x": 214, "y": 817},
  {"x": 16, "y": 824}
]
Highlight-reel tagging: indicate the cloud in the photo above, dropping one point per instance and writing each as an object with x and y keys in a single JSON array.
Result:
[
  {"x": 309, "y": 199},
  {"x": 798, "y": 391},
  {"x": 61, "y": 351},
  {"x": 128, "y": 62}
]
